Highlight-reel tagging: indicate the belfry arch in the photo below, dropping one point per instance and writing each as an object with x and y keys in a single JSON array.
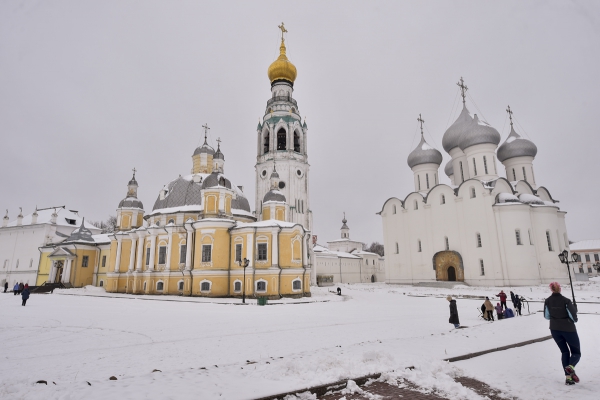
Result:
[
  {"x": 281, "y": 139},
  {"x": 448, "y": 266}
]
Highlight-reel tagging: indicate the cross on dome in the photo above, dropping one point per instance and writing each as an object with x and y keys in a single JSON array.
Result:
[
  {"x": 206, "y": 128},
  {"x": 134, "y": 171},
  {"x": 463, "y": 89},
  {"x": 421, "y": 121},
  {"x": 510, "y": 113},
  {"x": 283, "y": 30}
]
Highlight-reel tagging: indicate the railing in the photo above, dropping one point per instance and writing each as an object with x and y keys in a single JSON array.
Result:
[{"x": 281, "y": 98}]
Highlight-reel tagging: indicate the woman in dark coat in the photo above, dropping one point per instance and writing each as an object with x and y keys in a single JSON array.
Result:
[
  {"x": 453, "y": 312},
  {"x": 25, "y": 294}
]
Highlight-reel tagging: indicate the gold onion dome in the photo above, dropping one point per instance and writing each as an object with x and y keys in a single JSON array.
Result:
[{"x": 282, "y": 68}]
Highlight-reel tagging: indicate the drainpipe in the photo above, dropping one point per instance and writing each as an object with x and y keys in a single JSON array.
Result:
[
  {"x": 341, "y": 280},
  {"x": 96, "y": 267},
  {"x": 279, "y": 263},
  {"x": 253, "y": 264},
  {"x": 38, "y": 268},
  {"x": 74, "y": 268},
  {"x": 192, "y": 256},
  {"x": 229, "y": 263}
]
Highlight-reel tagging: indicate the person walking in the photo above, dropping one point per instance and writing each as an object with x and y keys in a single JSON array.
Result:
[
  {"x": 489, "y": 309},
  {"x": 21, "y": 287},
  {"x": 5, "y": 286},
  {"x": 563, "y": 315},
  {"x": 25, "y": 294},
  {"x": 513, "y": 299},
  {"x": 499, "y": 311},
  {"x": 517, "y": 304},
  {"x": 16, "y": 288},
  {"x": 502, "y": 296},
  {"x": 453, "y": 312}
]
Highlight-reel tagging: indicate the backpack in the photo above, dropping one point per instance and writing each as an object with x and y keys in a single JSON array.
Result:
[{"x": 509, "y": 313}]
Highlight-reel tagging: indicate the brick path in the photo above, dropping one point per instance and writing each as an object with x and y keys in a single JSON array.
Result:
[{"x": 409, "y": 390}]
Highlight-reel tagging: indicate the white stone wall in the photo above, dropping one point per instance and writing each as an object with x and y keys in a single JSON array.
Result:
[{"x": 19, "y": 255}]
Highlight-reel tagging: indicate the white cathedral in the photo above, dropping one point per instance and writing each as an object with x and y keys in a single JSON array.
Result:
[{"x": 483, "y": 228}]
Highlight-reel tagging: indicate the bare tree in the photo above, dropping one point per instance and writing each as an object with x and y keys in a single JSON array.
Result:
[
  {"x": 108, "y": 226},
  {"x": 376, "y": 248}
]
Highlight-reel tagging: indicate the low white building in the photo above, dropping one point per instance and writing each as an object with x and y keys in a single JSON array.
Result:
[
  {"x": 345, "y": 261},
  {"x": 589, "y": 250},
  {"x": 21, "y": 239},
  {"x": 483, "y": 228}
]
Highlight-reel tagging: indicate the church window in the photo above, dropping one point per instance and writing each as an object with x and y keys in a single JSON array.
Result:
[
  {"x": 564, "y": 235},
  {"x": 238, "y": 253},
  {"x": 587, "y": 258},
  {"x": 419, "y": 182},
  {"x": 397, "y": 248},
  {"x": 171, "y": 221},
  {"x": 524, "y": 174},
  {"x": 494, "y": 163},
  {"x": 529, "y": 233},
  {"x": 266, "y": 147},
  {"x": 182, "y": 253},
  {"x": 473, "y": 194},
  {"x": 416, "y": 205},
  {"x": 427, "y": 179},
  {"x": 533, "y": 176},
  {"x": 281, "y": 184},
  {"x": 442, "y": 199},
  {"x": 264, "y": 173},
  {"x": 481, "y": 267},
  {"x": 514, "y": 175},
  {"x": 518, "y": 237},
  {"x": 394, "y": 209},
  {"x": 205, "y": 286},
  {"x": 596, "y": 258},
  {"x": 101, "y": 283},
  {"x": 160, "y": 286},
  {"x": 206, "y": 252},
  {"x": 148, "y": 256},
  {"x": 237, "y": 286},
  {"x": 145, "y": 286},
  {"x": 85, "y": 260},
  {"x": 296, "y": 142},
  {"x": 419, "y": 246},
  {"x": 485, "y": 165},
  {"x": 180, "y": 285},
  {"x": 261, "y": 286},
  {"x": 478, "y": 240},
  {"x": 297, "y": 284},
  {"x": 447, "y": 243},
  {"x": 435, "y": 176},
  {"x": 103, "y": 261},
  {"x": 549, "y": 240},
  {"x": 474, "y": 167},
  {"x": 262, "y": 252},
  {"x": 281, "y": 140},
  {"x": 162, "y": 255},
  {"x": 462, "y": 175}
]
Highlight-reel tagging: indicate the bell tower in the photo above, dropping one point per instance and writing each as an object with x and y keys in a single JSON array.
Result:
[{"x": 282, "y": 140}]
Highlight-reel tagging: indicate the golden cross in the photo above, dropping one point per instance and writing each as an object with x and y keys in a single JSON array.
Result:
[
  {"x": 463, "y": 89},
  {"x": 283, "y": 30},
  {"x": 206, "y": 128},
  {"x": 510, "y": 113},
  {"x": 421, "y": 120}
]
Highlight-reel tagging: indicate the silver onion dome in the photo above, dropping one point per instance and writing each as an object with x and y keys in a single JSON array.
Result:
[
  {"x": 480, "y": 132},
  {"x": 516, "y": 146},
  {"x": 424, "y": 154},
  {"x": 449, "y": 168},
  {"x": 274, "y": 195},
  {"x": 453, "y": 134}
]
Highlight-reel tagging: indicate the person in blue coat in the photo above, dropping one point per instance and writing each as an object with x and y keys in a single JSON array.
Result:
[
  {"x": 25, "y": 294},
  {"x": 16, "y": 288},
  {"x": 563, "y": 315}
]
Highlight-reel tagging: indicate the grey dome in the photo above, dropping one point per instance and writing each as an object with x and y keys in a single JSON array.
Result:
[
  {"x": 219, "y": 155},
  {"x": 453, "y": 134},
  {"x": 133, "y": 181},
  {"x": 274, "y": 195},
  {"x": 131, "y": 202},
  {"x": 274, "y": 174},
  {"x": 81, "y": 234},
  {"x": 180, "y": 192},
  {"x": 480, "y": 132},
  {"x": 424, "y": 154},
  {"x": 240, "y": 203},
  {"x": 516, "y": 146},
  {"x": 216, "y": 179},
  {"x": 205, "y": 148},
  {"x": 449, "y": 168}
]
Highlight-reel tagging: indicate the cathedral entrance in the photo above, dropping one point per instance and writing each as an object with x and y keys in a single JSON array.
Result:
[
  {"x": 448, "y": 266},
  {"x": 59, "y": 271}
]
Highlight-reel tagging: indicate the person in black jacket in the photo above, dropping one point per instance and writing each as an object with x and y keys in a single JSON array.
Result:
[
  {"x": 5, "y": 286},
  {"x": 25, "y": 294},
  {"x": 563, "y": 316},
  {"x": 453, "y": 312}
]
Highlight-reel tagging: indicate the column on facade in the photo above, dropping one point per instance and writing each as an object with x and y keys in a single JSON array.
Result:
[
  {"x": 140, "y": 250},
  {"x": 52, "y": 274},
  {"x": 275, "y": 249},
  {"x": 188, "y": 245},
  {"x": 170, "y": 231},
  {"x": 66, "y": 277},
  {"x": 133, "y": 237},
  {"x": 118, "y": 259},
  {"x": 250, "y": 247},
  {"x": 152, "y": 250}
]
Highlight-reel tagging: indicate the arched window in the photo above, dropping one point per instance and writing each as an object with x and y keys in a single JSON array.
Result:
[
  {"x": 427, "y": 179},
  {"x": 462, "y": 175},
  {"x": 419, "y": 182},
  {"x": 549, "y": 240},
  {"x": 266, "y": 142},
  {"x": 101, "y": 283},
  {"x": 281, "y": 139},
  {"x": 180, "y": 285},
  {"x": 205, "y": 286},
  {"x": 435, "y": 175},
  {"x": 533, "y": 175},
  {"x": 296, "y": 142},
  {"x": 530, "y": 240},
  {"x": 474, "y": 166},
  {"x": 478, "y": 240},
  {"x": 442, "y": 199},
  {"x": 297, "y": 284},
  {"x": 416, "y": 205},
  {"x": 514, "y": 175},
  {"x": 397, "y": 248},
  {"x": 518, "y": 237},
  {"x": 393, "y": 209},
  {"x": 485, "y": 165},
  {"x": 473, "y": 194},
  {"x": 447, "y": 243},
  {"x": 524, "y": 174},
  {"x": 237, "y": 286},
  {"x": 481, "y": 267},
  {"x": 261, "y": 286},
  {"x": 494, "y": 163},
  {"x": 419, "y": 245},
  {"x": 160, "y": 286}
]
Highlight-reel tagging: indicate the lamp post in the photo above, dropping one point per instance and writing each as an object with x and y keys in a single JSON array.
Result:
[
  {"x": 244, "y": 264},
  {"x": 564, "y": 258},
  {"x": 596, "y": 267}
]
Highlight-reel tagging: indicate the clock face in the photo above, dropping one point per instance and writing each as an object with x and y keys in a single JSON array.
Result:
[{"x": 281, "y": 184}]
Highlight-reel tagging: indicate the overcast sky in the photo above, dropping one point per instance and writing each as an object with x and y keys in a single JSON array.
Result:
[{"x": 89, "y": 90}]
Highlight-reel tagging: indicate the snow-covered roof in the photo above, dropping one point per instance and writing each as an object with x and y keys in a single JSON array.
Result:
[
  {"x": 102, "y": 238},
  {"x": 590, "y": 244},
  {"x": 64, "y": 217},
  {"x": 270, "y": 222}
]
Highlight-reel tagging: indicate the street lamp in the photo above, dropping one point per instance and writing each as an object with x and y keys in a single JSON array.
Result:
[
  {"x": 564, "y": 258},
  {"x": 244, "y": 264}
]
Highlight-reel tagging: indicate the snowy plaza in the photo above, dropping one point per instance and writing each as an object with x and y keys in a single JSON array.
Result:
[{"x": 77, "y": 339}]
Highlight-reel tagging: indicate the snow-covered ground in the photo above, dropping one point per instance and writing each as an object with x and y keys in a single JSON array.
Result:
[{"x": 211, "y": 349}]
